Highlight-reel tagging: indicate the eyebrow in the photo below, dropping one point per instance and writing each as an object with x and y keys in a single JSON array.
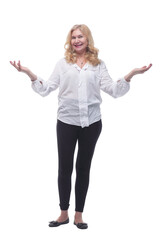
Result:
[{"x": 80, "y": 35}]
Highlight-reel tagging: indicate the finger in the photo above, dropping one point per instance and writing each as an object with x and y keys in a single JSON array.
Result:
[
  {"x": 16, "y": 65},
  {"x": 150, "y": 65},
  {"x": 13, "y": 64},
  {"x": 19, "y": 63},
  {"x": 146, "y": 68}
]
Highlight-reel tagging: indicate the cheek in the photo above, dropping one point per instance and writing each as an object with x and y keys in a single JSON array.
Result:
[
  {"x": 86, "y": 42},
  {"x": 71, "y": 42}
]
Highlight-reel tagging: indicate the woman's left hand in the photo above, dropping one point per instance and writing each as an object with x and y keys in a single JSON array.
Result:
[
  {"x": 137, "y": 71},
  {"x": 141, "y": 70}
]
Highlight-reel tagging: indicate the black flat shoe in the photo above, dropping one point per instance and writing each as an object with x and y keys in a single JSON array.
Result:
[
  {"x": 81, "y": 225},
  {"x": 56, "y": 224}
]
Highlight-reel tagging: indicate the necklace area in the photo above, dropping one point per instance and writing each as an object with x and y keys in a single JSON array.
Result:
[{"x": 81, "y": 63}]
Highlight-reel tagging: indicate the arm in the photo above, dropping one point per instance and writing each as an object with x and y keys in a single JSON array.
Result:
[
  {"x": 23, "y": 69},
  {"x": 38, "y": 84},
  {"x": 120, "y": 87},
  {"x": 113, "y": 88}
]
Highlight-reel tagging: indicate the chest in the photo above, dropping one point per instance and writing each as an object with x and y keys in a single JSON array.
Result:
[
  {"x": 74, "y": 78},
  {"x": 81, "y": 64}
]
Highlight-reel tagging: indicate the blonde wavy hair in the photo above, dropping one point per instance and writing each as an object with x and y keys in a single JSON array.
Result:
[{"x": 91, "y": 52}]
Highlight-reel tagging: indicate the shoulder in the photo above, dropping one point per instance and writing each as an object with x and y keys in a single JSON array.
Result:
[
  {"x": 98, "y": 67},
  {"x": 62, "y": 62},
  {"x": 102, "y": 64},
  {"x": 62, "y": 66}
]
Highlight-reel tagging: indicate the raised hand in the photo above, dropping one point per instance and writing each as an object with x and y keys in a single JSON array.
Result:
[
  {"x": 137, "y": 71},
  {"x": 142, "y": 70},
  {"x": 19, "y": 67}
]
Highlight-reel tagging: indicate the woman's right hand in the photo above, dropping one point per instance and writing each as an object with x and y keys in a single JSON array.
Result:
[{"x": 19, "y": 67}]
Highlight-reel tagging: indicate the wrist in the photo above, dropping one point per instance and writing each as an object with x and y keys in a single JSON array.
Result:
[
  {"x": 129, "y": 76},
  {"x": 32, "y": 76}
]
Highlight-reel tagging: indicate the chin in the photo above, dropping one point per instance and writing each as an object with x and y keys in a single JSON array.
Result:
[{"x": 80, "y": 51}]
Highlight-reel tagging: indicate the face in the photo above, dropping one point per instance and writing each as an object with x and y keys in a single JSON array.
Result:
[{"x": 79, "y": 41}]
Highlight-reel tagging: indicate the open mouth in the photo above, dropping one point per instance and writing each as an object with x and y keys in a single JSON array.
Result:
[{"x": 78, "y": 45}]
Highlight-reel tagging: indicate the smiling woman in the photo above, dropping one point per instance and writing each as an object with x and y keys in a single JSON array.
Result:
[
  {"x": 79, "y": 41},
  {"x": 80, "y": 46},
  {"x": 80, "y": 76}
]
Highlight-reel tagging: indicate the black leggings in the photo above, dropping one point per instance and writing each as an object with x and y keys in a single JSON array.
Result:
[{"x": 67, "y": 137}]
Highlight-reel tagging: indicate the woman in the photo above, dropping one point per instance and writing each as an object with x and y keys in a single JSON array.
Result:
[{"x": 80, "y": 76}]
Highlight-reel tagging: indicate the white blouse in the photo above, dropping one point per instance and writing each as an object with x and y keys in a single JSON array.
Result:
[{"x": 79, "y": 96}]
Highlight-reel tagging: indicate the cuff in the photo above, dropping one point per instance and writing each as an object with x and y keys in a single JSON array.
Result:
[
  {"x": 124, "y": 80},
  {"x": 37, "y": 80}
]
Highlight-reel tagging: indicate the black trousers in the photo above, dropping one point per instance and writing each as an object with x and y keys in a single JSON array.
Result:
[{"x": 67, "y": 137}]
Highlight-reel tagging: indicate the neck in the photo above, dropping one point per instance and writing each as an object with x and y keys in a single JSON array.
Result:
[{"x": 81, "y": 55}]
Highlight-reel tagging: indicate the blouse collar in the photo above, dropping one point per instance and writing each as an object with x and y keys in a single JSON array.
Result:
[{"x": 79, "y": 69}]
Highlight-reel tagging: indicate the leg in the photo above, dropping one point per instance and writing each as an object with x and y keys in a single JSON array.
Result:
[
  {"x": 66, "y": 139},
  {"x": 88, "y": 137}
]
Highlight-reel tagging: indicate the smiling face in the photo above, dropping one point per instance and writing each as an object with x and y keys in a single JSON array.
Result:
[{"x": 79, "y": 42}]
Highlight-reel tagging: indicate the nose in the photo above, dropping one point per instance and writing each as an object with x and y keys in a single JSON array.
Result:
[{"x": 76, "y": 40}]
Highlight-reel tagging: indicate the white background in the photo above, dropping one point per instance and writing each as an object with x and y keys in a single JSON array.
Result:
[{"x": 123, "y": 198}]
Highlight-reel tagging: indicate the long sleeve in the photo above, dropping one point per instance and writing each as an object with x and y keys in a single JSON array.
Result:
[
  {"x": 113, "y": 88},
  {"x": 45, "y": 87}
]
